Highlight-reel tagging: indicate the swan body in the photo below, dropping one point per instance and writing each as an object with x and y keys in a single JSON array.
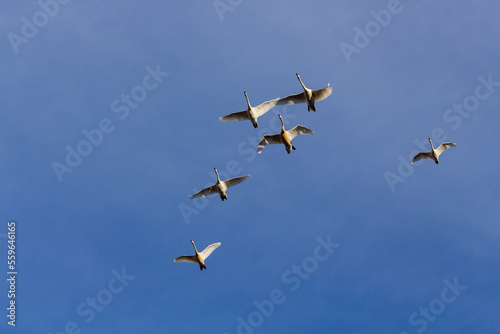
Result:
[
  {"x": 198, "y": 257},
  {"x": 309, "y": 96},
  {"x": 220, "y": 187},
  {"x": 252, "y": 113},
  {"x": 284, "y": 137},
  {"x": 434, "y": 153}
]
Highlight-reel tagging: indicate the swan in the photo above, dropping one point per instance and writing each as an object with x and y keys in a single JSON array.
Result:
[
  {"x": 252, "y": 113},
  {"x": 284, "y": 137},
  {"x": 434, "y": 153},
  {"x": 198, "y": 257},
  {"x": 220, "y": 187},
  {"x": 309, "y": 96}
]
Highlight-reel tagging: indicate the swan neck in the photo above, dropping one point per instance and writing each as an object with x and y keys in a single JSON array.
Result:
[
  {"x": 195, "y": 250},
  {"x": 248, "y": 102},
  {"x": 300, "y": 80}
]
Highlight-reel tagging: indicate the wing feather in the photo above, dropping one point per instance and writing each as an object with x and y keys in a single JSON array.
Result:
[
  {"x": 322, "y": 94},
  {"x": 205, "y": 192},
  {"x": 299, "y": 130},
  {"x": 237, "y": 180},
  {"x": 262, "y": 108},
  {"x": 268, "y": 140},
  {"x": 186, "y": 258},
  {"x": 422, "y": 155},
  {"x": 207, "y": 251},
  {"x": 237, "y": 116},
  {"x": 292, "y": 99},
  {"x": 443, "y": 147}
]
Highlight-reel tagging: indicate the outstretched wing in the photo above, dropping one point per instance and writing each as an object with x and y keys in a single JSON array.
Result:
[
  {"x": 237, "y": 116},
  {"x": 262, "y": 108},
  {"x": 186, "y": 258},
  {"x": 293, "y": 99},
  {"x": 299, "y": 130},
  {"x": 322, "y": 94},
  {"x": 443, "y": 147},
  {"x": 268, "y": 140},
  {"x": 237, "y": 180},
  {"x": 207, "y": 251},
  {"x": 205, "y": 192},
  {"x": 422, "y": 155}
]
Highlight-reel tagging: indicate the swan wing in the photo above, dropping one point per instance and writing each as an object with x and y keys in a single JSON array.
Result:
[
  {"x": 207, "y": 251},
  {"x": 268, "y": 140},
  {"x": 237, "y": 116},
  {"x": 186, "y": 258},
  {"x": 299, "y": 130},
  {"x": 422, "y": 155},
  {"x": 237, "y": 180},
  {"x": 443, "y": 147},
  {"x": 292, "y": 99},
  {"x": 206, "y": 192},
  {"x": 262, "y": 108},
  {"x": 322, "y": 94}
]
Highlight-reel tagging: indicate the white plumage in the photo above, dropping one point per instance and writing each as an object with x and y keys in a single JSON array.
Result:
[
  {"x": 252, "y": 113},
  {"x": 198, "y": 257},
  {"x": 434, "y": 153},
  {"x": 308, "y": 96},
  {"x": 220, "y": 187},
  {"x": 284, "y": 137}
]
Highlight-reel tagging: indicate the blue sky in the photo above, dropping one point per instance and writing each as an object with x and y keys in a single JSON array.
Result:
[{"x": 416, "y": 248}]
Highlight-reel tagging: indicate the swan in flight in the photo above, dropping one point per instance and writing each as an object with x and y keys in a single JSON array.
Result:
[
  {"x": 252, "y": 113},
  {"x": 198, "y": 257},
  {"x": 434, "y": 153},
  {"x": 284, "y": 137},
  {"x": 308, "y": 96},
  {"x": 220, "y": 187}
]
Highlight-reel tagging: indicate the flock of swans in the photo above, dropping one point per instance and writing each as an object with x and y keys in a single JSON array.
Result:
[{"x": 284, "y": 137}]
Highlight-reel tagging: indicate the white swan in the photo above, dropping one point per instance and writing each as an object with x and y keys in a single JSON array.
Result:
[
  {"x": 309, "y": 96},
  {"x": 252, "y": 113},
  {"x": 220, "y": 187},
  {"x": 284, "y": 137},
  {"x": 434, "y": 153},
  {"x": 198, "y": 257}
]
